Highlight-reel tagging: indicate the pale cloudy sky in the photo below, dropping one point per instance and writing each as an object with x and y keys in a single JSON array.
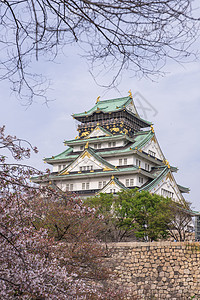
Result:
[{"x": 175, "y": 97}]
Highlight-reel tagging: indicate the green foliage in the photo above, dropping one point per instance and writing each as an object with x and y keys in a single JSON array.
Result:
[
  {"x": 146, "y": 214},
  {"x": 102, "y": 202}
]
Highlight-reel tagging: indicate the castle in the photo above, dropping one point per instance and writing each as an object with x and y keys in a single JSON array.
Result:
[{"x": 115, "y": 149}]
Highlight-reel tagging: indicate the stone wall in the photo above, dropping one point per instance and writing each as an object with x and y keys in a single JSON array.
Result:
[{"x": 157, "y": 270}]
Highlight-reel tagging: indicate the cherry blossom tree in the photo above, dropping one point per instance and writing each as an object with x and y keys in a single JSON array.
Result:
[{"x": 48, "y": 248}]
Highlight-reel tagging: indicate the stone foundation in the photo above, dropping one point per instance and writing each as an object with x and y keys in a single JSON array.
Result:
[{"x": 157, "y": 270}]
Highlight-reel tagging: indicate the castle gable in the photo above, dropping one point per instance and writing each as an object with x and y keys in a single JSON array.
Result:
[
  {"x": 164, "y": 184},
  {"x": 97, "y": 132},
  {"x": 153, "y": 149},
  {"x": 168, "y": 188},
  {"x": 131, "y": 108},
  {"x": 113, "y": 186},
  {"x": 87, "y": 161}
]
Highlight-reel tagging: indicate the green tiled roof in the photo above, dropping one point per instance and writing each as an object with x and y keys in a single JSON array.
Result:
[
  {"x": 85, "y": 140},
  {"x": 106, "y": 106},
  {"x": 92, "y": 152},
  {"x": 153, "y": 183},
  {"x": 115, "y": 171},
  {"x": 62, "y": 155},
  {"x": 111, "y": 105},
  {"x": 183, "y": 189},
  {"x": 140, "y": 139},
  {"x": 159, "y": 176}
]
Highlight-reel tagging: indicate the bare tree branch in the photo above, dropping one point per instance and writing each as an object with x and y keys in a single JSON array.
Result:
[{"x": 138, "y": 35}]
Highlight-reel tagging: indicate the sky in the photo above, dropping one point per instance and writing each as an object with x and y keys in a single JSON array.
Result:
[{"x": 171, "y": 102}]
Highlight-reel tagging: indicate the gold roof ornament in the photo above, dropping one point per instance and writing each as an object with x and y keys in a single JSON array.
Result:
[
  {"x": 130, "y": 94},
  {"x": 167, "y": 164},
  {"x": 112, "y": 177},
  {"x": 86, "y": 145},
  {"x": 152, "y": 129},
  {"x": 98, "y": 99}
]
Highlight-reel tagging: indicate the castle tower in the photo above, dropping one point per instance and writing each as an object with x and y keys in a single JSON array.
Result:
[{"x": 115, "y": 149}]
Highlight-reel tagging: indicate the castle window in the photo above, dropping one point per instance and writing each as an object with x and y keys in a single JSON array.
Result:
[
  {"x": 100, "y": 185},
  {"x": 141, "y": 179},
  {"x": 59, "y": 167},
  {"x": 113, "y": 144},
  {"x": 146, "y": 166},
  {"x": 120, "y": 162},
  {"x": 129, "y": 182},
  {"x": 138, "y": 162},
  {"x": 125, "y": 161},
  {"x": 152, "y": 153},
  {"x": 99, "y": 146},
  {"x": 166, "y": 193},
  {"x": 104, "y": 183},
  {"x": 95, "y": 146},
  {"x": 86, "y": 168},
  {"x": 83, "y": 185},
  {"x": 87, "y": 186},
  {"x": 69, "y": 187}
]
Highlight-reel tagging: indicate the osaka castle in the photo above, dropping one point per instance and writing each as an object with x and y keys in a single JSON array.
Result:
[{"x": 115, "y": 149}]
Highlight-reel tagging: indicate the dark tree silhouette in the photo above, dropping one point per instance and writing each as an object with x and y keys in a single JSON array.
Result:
[{"x": 139, "y": 35}]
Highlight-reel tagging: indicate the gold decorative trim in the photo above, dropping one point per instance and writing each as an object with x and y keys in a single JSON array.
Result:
[
  {"x": 107, "y": 169},
  {"x": 98, "y": 99},
  {"x": 130, "y": 94},
  {"x": 86, "y": 153},
  {"x": 169, "y": 176},
  {"x": 152, "y": 129},
  {"x": 65, "y": 173}
]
